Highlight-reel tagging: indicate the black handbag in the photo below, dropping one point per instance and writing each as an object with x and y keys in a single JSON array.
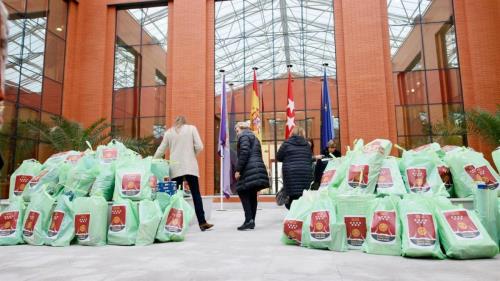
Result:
[{"x": 281, "y": 197}]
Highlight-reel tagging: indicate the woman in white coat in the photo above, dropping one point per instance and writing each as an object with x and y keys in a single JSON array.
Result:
[{"x": 185, "y": 143}]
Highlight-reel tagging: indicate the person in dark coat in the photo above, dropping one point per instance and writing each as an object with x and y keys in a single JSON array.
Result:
[
  {"x": 296, "y": 155},
  {"x": 251, "y": 173},
  {"x": 321, "y": 165}
]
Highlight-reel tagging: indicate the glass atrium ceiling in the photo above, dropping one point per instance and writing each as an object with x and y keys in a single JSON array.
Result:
[
  {"x": 271, "y": 34},
  {"x": 154, "y": 22}
]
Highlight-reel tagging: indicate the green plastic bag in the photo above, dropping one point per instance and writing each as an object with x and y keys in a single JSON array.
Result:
[
  {"x": 333, "y": 173},
  {"x": 91, "y": 220},
  {"x": 175, "y": 220},
  {"x": 61, "y": 230},
  {"x": 20, "y": 178},
  {"x": 160, "y": 169},
  {"x": 420, "y": 173},
  {"x": 468, "y": 169},
  {"x": 389, "y": 180},
  {"x": 430, "y": 147},
  {"x": 295, "y": 219},
  {"x": 496, "y": 158},
  {"x": 149, "y": 218},
  {"x": 124, "y": 223},
  {"x": 462, "y": 234},
  {"x": 48, "y": 177},
  {"x": 364, "y": 167},
  {"x": 81, "y": 177},
  {"x": 420, "y": 229},
  {"x": 320, "y": 230},
  {"x": 11, "y": 222},
  {"x": 37, "y": 218},
  {"x": 134, "y": 179},
  {"x": 353, "y": 211},
  {"x": 56, "y": 159},
  {"x": 384, "y": 228},
  {"x": 163, "y": 199}
]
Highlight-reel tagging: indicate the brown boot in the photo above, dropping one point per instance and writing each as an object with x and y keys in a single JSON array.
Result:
[{"x": 205, "y": 226}]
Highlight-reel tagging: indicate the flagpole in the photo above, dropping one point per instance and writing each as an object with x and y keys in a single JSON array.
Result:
[{"x": 221, "y": 175}]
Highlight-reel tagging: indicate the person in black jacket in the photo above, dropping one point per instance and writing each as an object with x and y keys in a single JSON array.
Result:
[
  {"x": 251, "y": 173},
  {"x": 321, "y": 165},
  {"x": 296, "y": 155}
]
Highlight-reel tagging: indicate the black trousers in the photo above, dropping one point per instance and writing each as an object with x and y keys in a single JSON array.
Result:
[
  {"x": 195, "y": 192},
  {"x": 290, "y": 200},
  {"x": 249, "y": 201}
]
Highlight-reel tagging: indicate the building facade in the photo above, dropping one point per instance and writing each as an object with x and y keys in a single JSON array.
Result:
[{"x": 395, "y": 68}]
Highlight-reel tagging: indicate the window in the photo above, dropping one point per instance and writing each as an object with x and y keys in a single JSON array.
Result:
[
  {"x": 426, "y": 76},
  {"x": 140, "y": 72},
  {"x": 270, "y": 35}
]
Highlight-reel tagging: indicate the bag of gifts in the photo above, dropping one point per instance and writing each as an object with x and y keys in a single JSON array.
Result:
[
  {"x": 20, "y": 178},
  {"x": 389, "y": 180},
  {"x": 384, "y": 228},
  {"x": 333, "y": 173},
  {"x": 462, "y": 234},
  {"x": 320, "y": 230},
  {"x": 364, "y": 167},
  {"x": 11, "y": 222},
  {"x": 295, "y": 218},
  {"x": 134, "y": 179},
  {"x": 61, "y": 230},
  {"x": 175, "y": 220},
  {"x": 124, "y": 223},
  {"x": 91, "y": 220},
  {"x": 420, "y": 173},
  {"x": 468, "y": 169},
  {"x": 353, "y": 211},
  {"x": 57, "y": 159},
  {"x": 81, "y": 176},
  {"x": 150, "y": 216},
  {"x": 420, "y": 229},
  {"x": 36, "y": 219},
  {"x": 47, "y": 178}
]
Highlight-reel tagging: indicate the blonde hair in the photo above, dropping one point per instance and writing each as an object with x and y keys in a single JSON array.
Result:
[
  {"x": 179, "y": 121},
  {"x": 298, "y": 131},
  {"x": 242, "y": 125}
]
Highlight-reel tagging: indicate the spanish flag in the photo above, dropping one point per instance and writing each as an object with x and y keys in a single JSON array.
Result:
[{"x": 255, "y": 121}]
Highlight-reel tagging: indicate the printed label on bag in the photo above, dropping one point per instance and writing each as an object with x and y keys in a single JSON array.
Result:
[
  {"x": 461, "y": 224},
  {"x": 293, "y": 230},
  {"x": 131, "y": 184},
  {"x": 153, "y": 182},
  {"x": 55, "y": 224},
  {"x": 320, "y": 226},
  {"x": 118, "y": 218},
  {"x": 21, "y": 182},
  {"x": 109, "y": 155},
  {"x": 383, "y": 227},
  {"x": 385, "y": 178},
  {"x": 8, "y": 223},
  {"x": 175, "y": 221},
  {"x": 482, "y": 174},
  {"x": 34, "y": 181},
  {"x": 82, "y": 223},
  {"x": 30, "y": 223},
  {"x": 74, "y": 158},
  {"x": 421, "y": 230},
  {"x": 374, "y": 146},
  {"x": 445, "y": 174},
  {"x": 417, "y": 180},
  {"x": 327, "y": 177},
  {"x": 358, "y": 176},
  {"x": 355, "y": 230}
]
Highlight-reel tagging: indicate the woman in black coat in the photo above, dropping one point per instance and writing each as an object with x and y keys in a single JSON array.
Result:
[
  {"x": 251, "y": 173},
  {"x": 296, "y": 155}
]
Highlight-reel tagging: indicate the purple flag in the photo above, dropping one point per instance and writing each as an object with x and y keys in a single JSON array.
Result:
[{"x": 224, "y": 150}]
